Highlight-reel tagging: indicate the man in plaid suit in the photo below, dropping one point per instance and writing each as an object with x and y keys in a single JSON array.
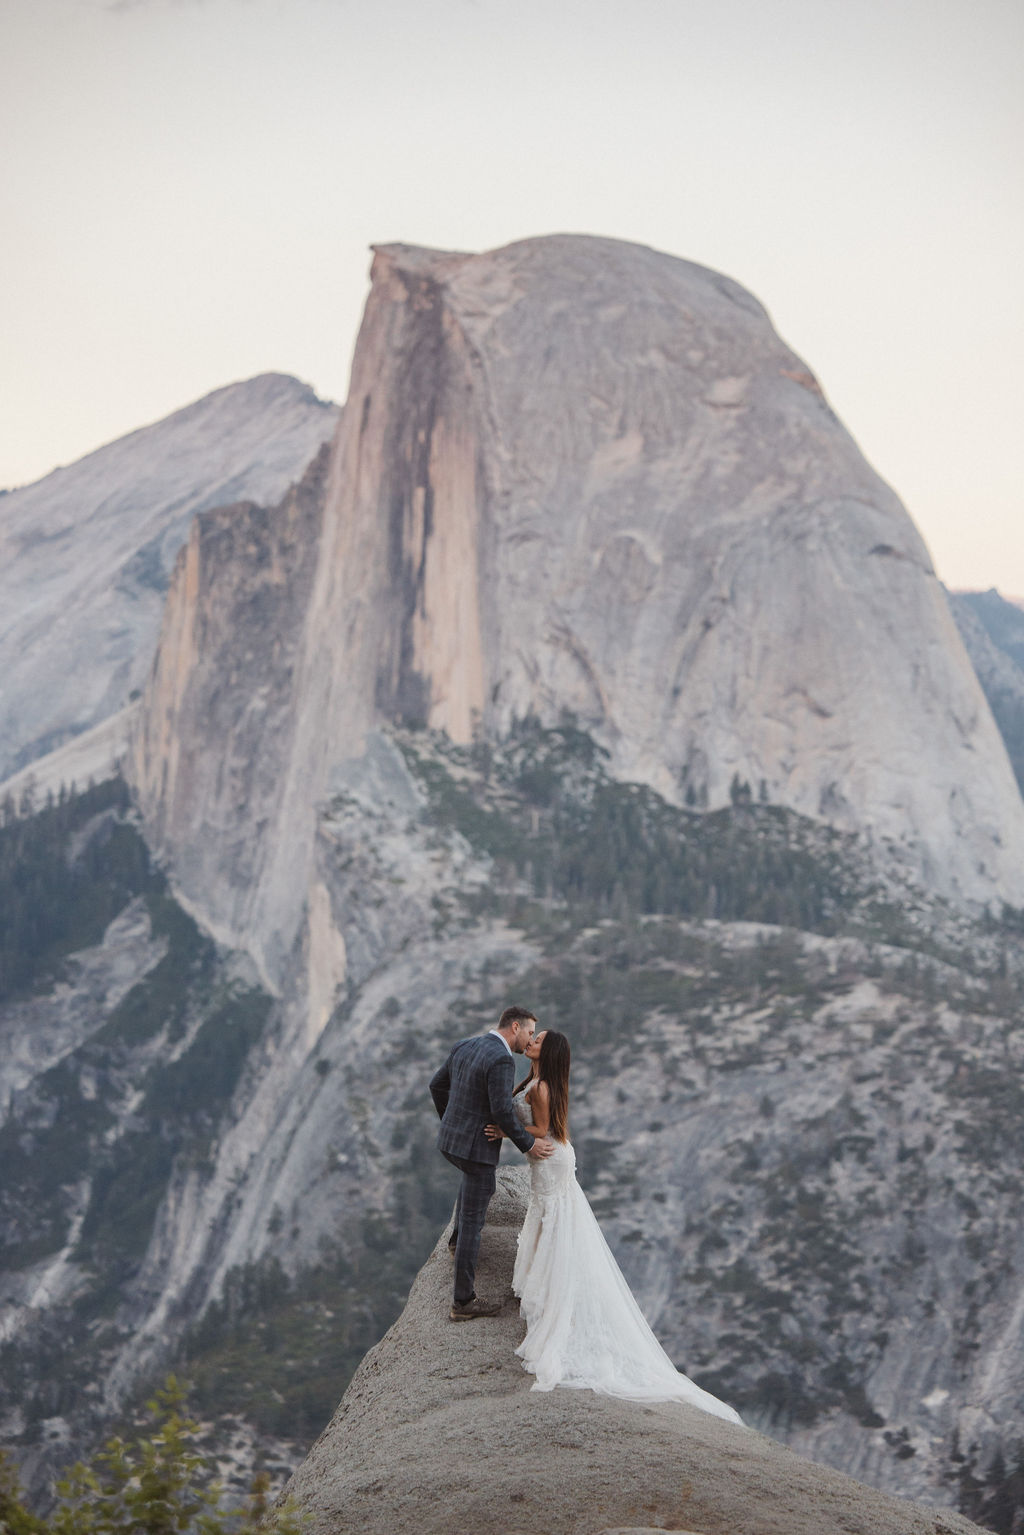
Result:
[{"x": 473, "y": 1089}]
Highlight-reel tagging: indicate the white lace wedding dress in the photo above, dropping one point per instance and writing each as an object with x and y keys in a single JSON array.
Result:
[{"x": 583, "y": 1327}]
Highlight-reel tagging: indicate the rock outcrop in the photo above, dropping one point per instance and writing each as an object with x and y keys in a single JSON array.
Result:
[
  {"x": 85, "y": 554},
  {"x": 576, "y": 474},
  {"x": 220, "y": 708},
  {"x": 440, "y": 1431}
]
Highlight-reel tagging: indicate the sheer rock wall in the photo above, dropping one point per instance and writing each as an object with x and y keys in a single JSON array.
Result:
[
  {"x": 86, "y": 552},
  {"x": 221, "y": 699}
]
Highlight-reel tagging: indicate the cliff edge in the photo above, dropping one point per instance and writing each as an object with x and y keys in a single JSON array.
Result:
[{"x": 440, "y": 1432}]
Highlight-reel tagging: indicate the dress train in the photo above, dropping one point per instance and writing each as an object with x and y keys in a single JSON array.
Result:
[{"x": 583, "y": 1327}]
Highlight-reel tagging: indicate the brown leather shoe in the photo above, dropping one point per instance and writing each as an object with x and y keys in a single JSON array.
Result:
[{"x": 464, "y": 1311}]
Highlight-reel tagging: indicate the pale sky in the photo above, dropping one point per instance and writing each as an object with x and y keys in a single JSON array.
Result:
[{"x": 189, "y": 188}]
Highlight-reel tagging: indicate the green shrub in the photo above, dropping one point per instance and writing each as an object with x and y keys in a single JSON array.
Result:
[{"x": 153, "y": 1486}]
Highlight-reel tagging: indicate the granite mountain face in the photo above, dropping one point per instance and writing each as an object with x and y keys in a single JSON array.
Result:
[
  {"x": 579, "y": 475},
  {"x": 86, "y": 553},
  {"x": 591, "y": 664}
]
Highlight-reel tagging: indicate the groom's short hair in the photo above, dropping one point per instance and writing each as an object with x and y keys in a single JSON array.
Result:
[{"x": 513, "y": 1015}]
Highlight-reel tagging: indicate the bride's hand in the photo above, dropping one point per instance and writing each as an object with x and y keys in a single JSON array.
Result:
[{"x": 494, "y": 1132}]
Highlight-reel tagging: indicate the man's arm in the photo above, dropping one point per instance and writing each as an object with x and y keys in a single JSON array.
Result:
[
  {"x": 500, "y": 1076},
  {"x": 441, "y": 1086}
]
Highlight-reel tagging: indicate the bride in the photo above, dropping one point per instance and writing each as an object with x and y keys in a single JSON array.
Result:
[{"x": 583, "y": 1327}]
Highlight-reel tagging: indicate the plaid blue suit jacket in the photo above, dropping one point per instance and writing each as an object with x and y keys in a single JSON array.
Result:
[{"x": 472, "y": 1089}]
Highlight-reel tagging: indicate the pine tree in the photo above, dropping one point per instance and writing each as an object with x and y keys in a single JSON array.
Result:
[{"x": 154, "y": 1486}]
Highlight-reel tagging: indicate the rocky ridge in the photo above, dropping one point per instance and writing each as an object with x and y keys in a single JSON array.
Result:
[{"x": 430, "y": 1437}]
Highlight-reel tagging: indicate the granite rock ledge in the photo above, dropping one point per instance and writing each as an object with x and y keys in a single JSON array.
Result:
[{"x": 439, "y": 1431}]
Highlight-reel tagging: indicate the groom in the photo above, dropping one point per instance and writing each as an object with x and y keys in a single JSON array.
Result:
[{"x": 473, "y": 1089}]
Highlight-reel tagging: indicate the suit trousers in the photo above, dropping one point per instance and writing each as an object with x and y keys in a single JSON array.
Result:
[{"x": 478, "y": 1183}]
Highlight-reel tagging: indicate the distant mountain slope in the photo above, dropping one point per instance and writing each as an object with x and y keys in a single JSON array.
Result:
[
  {"x": 803, "y": 1141},
  {"x": 992, "y": 628},
  {"x": 1002, "y": 619},
  {"x": 85, "y": 553},
  {"x": 123, "y": 1036}
]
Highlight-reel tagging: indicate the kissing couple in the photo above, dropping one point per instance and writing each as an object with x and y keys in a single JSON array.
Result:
[{"x": 583, "y": 1326}]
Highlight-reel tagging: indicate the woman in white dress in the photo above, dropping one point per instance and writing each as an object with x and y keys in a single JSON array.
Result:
[{"x": 583, "y": 1327}]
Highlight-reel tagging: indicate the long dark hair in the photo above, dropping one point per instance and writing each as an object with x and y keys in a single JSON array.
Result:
[{"x": 553, "y": 1069}]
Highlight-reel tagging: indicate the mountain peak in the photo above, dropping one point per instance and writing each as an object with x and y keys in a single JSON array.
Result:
[{"x": 87, "y": 551}]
